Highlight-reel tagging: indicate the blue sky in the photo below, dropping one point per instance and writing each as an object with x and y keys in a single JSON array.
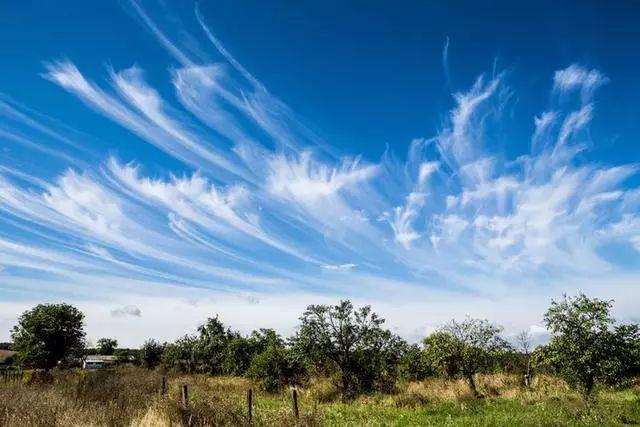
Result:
[{"x": 162, "y": 162}]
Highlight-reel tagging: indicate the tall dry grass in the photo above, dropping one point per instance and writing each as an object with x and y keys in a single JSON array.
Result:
[
  {"x": 130, "y": 397},
  {"x": 78, "y": 398},
  {"x": 506, "y": 386}
]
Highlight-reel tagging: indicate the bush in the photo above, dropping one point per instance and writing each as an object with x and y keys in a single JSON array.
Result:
[
  {"x": 413, "y": 365},
  {"x": 275, "y": 368}
]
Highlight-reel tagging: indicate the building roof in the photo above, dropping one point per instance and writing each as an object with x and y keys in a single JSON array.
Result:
[
  {"x": 5, "y": 354},
  {"x": 100, "y": 358}
]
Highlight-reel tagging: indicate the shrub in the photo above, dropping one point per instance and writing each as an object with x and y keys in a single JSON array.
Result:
[{"x": 275, "y": 368}]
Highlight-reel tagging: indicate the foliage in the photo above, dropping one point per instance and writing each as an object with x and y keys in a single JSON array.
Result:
[
  {"x": 202, "y": 353},
  {"x": 240, "y": 350},
  {"x": 276, "y": 367},
  {"x": 586, "y": 346},
  {"x": 126, "y": 355},
  {"x": 352, "y": 341},
  {"x": 47, "y": 334},
  {"x": 413, "y": 365},
  {"x": 463, "y": 349},
  {"x": 106, "y": 345},
  {"x": 210, "y": 346},
  {"x": 181, "y": 355},
  {"x": 150, "y": 354}
]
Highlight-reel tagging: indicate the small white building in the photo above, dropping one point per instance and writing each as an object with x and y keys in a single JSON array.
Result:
[{"x": 98, "y": 361}]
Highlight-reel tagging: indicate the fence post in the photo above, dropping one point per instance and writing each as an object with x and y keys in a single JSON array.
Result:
[
  {"x": 163, "y": 386},
  {"x": 185, "y": 395},
  {"x": 249, "y": 405},
  {"x": 294, "y": 397}
]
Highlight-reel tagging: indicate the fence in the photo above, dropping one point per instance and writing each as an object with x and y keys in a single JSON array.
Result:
[
  {"x": 249, "y": 417},
  {"x": 11, "y": 375}
]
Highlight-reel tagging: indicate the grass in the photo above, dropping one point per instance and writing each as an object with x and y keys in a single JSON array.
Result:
[{"x": 129, "y": 397}]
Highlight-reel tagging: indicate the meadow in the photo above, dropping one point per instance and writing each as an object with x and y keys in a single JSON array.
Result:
[{"x": 132, "y": 397}]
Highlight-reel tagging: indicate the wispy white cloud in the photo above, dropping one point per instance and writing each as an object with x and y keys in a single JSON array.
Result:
[
  {"x": 306, "y": 181},
  {"x": 576, "y": 77}
]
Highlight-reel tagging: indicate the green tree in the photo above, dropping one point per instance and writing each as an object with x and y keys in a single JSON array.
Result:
[
  {"x": 276, "y": 366},
  {"x": 151, "y": 354},
  {"x": 586, "y": 347},
  {"x": 463, "y": 349},
  {"x": 106, "y": 345},
  {"x": 126, "y": 355},
  {"x": 240, "y": 350},
  {"x": 352, "y": 341},
  {"x": 413, "y": 364},
  {"x": 525, "y": 346},
  {"x": 211, "y": 346},
  {"x": 48, "y": 334},
  {"x": 181, "y": 356}
]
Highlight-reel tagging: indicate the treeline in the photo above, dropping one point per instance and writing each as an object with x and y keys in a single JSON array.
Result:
[{"x": 350, "y": 345}]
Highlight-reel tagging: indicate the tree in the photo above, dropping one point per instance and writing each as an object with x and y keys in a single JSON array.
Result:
[
  {"x": 275, "y": 366},
  {"x": 126, "y": 355},
  {"x": 204, "y": 353},
  {"x": 181, "y": 355},
  {"x": 48, "y": 334},
  {"x": 240, "y": 350},
  {"x": 211, "y": 346},
  {"x": 586, "y": 346},
  {"x": 523, "y": 341},
  {"x": 151, "y": 354},
  {"x": 353, "y": 342},
  {"x": 413, "y": 365},
  {"x": 463, "y": 349},
  {"x": 106, "y": 345}
]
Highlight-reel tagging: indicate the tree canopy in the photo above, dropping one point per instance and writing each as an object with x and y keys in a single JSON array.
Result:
[
  {"x": 48, "y": 334},
  {"x": 353, "y": 341},
  {"x": 586, "y": 345},
  {"x": 106, "y": 345},
  {"x": 463, "y": 349}
]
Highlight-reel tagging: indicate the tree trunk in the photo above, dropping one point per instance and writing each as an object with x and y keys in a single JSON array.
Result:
[
  {"x": 588, "y": 386},
  {"x": 345, "y": 387},
  {"x": 472, "y": 385},
  {"x": 527, "y": 375}
]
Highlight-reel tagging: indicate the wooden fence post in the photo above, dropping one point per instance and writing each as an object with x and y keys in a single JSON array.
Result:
[
  {"x": 249, "y": 405},
  {"x": 294, "y": 397},
  {"x": 163, "y": 386},
  {"x": 185, "y": 395}
]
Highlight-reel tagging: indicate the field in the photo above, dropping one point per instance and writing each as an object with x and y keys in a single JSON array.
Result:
[{"x": 131, "y": 397}]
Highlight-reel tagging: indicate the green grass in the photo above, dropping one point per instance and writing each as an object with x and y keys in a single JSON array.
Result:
[{"x": 608, "y": 411}]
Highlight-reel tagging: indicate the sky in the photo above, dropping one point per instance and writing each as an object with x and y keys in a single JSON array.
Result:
[{"x": 163, "y": 162}]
